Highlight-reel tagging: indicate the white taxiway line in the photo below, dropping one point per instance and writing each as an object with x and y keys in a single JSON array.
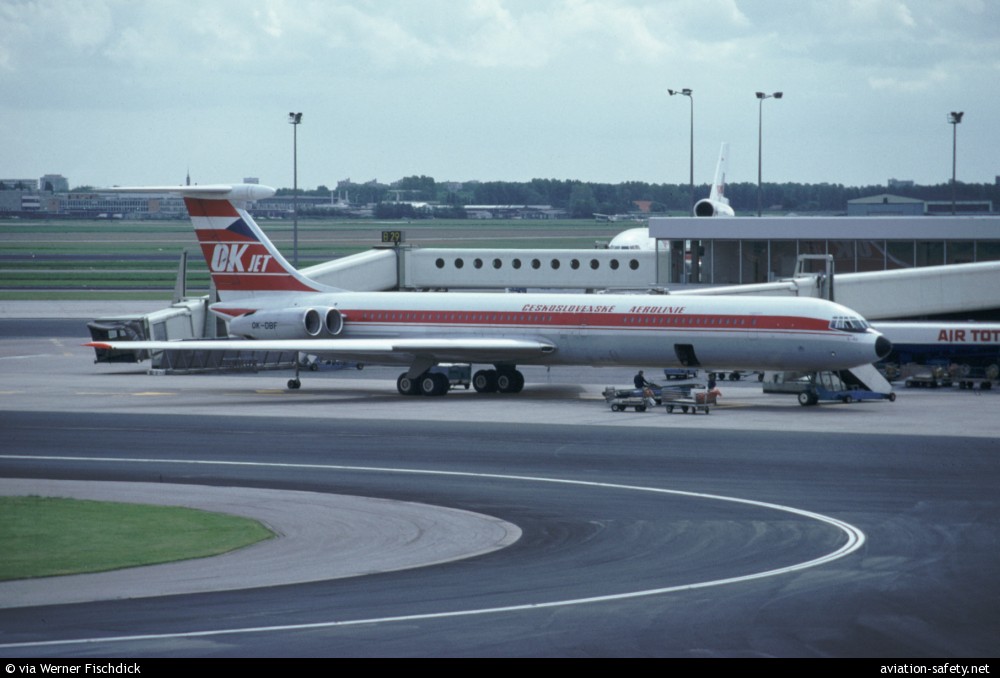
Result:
[{"x": 855, "y": 540}]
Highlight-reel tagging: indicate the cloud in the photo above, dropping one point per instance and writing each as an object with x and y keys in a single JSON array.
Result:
[
  {"x": 918, "y": 82},
  {"x": 32, "y": 30}
]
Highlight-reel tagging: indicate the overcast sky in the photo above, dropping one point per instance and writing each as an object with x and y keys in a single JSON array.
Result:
[{"x": 138, "y": 92}]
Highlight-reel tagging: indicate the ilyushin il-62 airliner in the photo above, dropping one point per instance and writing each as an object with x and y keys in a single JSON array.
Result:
[{"x": 271, "y": 306}]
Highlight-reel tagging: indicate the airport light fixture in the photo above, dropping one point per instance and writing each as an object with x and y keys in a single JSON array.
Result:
[
  {"x": 295, "y": 119},
  {"x": 954, "y": 119},
  {"x": 689, "y": 93},
  {"x": 760, "y": 117}
]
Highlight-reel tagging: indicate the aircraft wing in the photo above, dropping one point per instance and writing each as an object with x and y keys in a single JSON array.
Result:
[{"x": 470, "y": 349}]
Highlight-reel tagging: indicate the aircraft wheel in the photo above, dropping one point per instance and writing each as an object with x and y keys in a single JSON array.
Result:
[
  {"x": 431, "y": 384},
  {"x": 406, "y": 386},
  {"x": 443, "y": 385},
  {"x": 735, "y": 376},
  {"x": 427, "y": 385},
  {"x": 485, "y": 381},
  {"x": 511, "y": 381},
  {"x": 518, "y": 382},
  {"x": 294, "y": 384},
  {"x": 504, "y": 382},
  {"x": 892, "y": 397}
]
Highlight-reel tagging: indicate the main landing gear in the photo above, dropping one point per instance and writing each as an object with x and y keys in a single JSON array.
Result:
[
  {"x": 507, "y": 380},
  {"x": 492, "y": 381},
  {"x": 428, "y": 384}
]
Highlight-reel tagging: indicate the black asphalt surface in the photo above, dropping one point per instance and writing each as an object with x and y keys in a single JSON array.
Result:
[{"x": 923, "y": 585}]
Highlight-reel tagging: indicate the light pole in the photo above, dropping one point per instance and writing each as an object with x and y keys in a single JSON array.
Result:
[
  {"x": 760, "y": 126},
  {"x": 687, "y": 92},
  {"x": 954, "y": 119},
  {"x": 294, "y": 119}
]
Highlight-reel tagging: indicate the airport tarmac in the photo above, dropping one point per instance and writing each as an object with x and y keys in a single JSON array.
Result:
[
  {"x": 57, "y": 371},
  {"x": 605, "y": 564}
]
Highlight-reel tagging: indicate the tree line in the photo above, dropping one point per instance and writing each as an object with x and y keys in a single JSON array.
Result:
[{"x": 583, "y": 199}]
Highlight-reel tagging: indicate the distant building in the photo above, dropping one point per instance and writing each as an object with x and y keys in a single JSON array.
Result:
[
  {"x": 18, "y": 184},
  {"x": 963, "y": 207},
  {"x": 900, "y": 183},
  {"x": 54, "y": 183},
  {"x": 885, "y": 205},
  {"x": 514, "y": 212}
]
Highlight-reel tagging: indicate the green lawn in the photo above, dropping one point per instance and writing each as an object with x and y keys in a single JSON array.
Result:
[
  {"x": 42, "y": 537},
  {"x": 75, "y": 259}
]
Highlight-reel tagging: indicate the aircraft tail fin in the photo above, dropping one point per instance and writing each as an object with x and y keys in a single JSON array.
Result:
[
  {"x": 718, "y": 192},
  {"x": 242, "y": 260},
  {"x": 717, "y": 204}
]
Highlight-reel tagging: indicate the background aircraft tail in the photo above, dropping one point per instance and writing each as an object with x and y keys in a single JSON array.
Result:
[{"x": 717, "y": 204}]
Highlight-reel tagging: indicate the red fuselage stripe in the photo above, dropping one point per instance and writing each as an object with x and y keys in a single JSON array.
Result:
[{"x": 362, "y": 318}]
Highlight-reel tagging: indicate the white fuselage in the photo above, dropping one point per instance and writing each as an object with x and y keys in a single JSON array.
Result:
[{"x": 663, "y": 330}]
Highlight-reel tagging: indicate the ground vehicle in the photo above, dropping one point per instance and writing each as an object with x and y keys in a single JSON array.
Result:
[
  {"x": 830, "y": 386},
  {"x": 685, "y": 400},
  {"x": 620, "y": 399}
]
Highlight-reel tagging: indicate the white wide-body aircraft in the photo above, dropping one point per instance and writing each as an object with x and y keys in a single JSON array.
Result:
[
  {"x": 715, "y": 205},
  {"x": 271, "y": 306}
]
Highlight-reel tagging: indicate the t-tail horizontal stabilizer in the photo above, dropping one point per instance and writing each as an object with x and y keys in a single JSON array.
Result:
[{"x": 235, "y": 192}]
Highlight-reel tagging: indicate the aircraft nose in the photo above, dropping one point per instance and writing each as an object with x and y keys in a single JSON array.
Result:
[{"x": 883, "y": 347}]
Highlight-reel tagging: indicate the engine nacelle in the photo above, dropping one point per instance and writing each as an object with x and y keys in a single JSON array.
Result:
[
  {"x": 712, "y": 208},
  {"x": 288, "y": 323}
]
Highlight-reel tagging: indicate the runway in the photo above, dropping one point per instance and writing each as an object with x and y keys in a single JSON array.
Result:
[{"x": 631, "y": 543}]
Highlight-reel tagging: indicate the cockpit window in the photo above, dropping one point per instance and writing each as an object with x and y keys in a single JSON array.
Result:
[{"x": 849, "y": 323}]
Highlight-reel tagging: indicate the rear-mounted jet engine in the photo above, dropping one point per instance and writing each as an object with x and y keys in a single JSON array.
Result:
[{"x": 288, "y": 323}]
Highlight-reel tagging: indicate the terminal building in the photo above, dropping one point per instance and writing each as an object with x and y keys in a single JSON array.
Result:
[{"x": 747, "y": 250}]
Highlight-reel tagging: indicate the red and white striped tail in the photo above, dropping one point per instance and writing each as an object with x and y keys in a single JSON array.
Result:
[{"x": 242, "y": 261}]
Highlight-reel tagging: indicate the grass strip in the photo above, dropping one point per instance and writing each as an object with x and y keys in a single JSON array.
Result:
[{"x": 45, "y": 536}]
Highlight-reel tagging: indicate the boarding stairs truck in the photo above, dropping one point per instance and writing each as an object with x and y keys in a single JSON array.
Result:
[{"x": 847, "y": 386}]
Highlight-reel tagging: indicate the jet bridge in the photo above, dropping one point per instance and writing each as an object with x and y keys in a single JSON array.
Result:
[
  {"x": 882, "y": 295},
  {"x": 887, "y": 267},
  {"x": 436, "y": 268}
]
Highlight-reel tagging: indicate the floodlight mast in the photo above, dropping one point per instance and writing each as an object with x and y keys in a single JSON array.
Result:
[
  {"x": 760, "y": 117},
  {"x": 689, "y": 93},
  {"x": 295, "y": 119},
  {"x": 954, "y": 119}
]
